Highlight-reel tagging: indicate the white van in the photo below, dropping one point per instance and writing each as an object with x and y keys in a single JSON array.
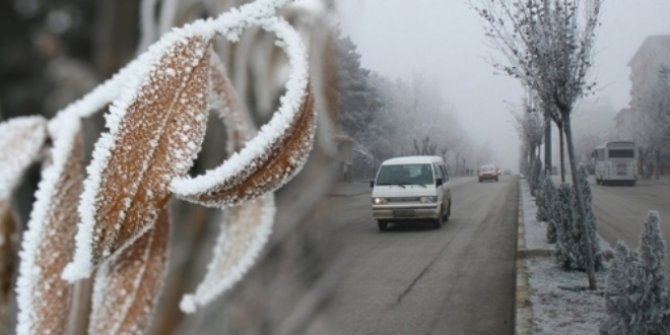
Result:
[
  {"x": 616, "y": 162},
  {"x": 412, "y": 188}
]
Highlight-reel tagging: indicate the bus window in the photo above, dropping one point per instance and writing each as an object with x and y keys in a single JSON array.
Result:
[{"x": 621, "y": 153}]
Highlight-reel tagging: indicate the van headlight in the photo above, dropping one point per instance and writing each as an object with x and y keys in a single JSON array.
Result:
[
  {"x": 426, "y": 200},
  {"x": 379, "y": 201}
]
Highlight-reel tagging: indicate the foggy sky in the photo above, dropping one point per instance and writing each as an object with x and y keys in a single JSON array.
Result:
[{"x": 444, "y": 40}]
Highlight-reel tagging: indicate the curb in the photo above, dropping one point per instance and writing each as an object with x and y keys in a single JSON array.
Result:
[{"x": 523, "y": 315}]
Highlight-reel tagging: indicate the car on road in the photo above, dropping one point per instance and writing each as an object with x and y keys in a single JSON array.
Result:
[
  {"x": 488, "y": 172},
  {"x": 410, "y": 189}
]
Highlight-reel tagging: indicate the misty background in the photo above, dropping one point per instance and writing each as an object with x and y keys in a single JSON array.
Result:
[{"x": 443, "y": 42}]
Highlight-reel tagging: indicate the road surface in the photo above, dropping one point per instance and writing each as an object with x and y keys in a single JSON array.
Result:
[{"x": 459, "y": 279}]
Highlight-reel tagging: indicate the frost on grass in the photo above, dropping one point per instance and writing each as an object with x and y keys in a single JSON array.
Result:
[
  {"x": 244, "y": 231},
  {"x": 44, "y": 298},
  {"x": 21, "y": 139},
  {"x": 127, "y": 287},
  {"x": 156, "y": 130},
  {"x": 560, "y": 301}
]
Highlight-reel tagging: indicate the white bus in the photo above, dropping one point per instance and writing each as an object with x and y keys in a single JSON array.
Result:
[{"x": 616, "y": 162}]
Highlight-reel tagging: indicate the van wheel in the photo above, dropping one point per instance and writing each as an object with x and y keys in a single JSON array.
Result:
[
  {"x": 448, "y": 214},
  {"x": 439, "y": 221},
  {"x": 383, "y": 225}
]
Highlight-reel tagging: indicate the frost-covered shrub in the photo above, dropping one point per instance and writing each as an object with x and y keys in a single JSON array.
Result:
[
  {"x": 621, "y": 293},
  {"x": 636, "y": 295},
  {"x": 535, "y": 176},
  {"x": 590, "y": 221},
  {"x": 546, "y": 210},
  {"x": 571, "y": 251},
  {"x": 539, "y": 196},
  {"x": 545, "y": 199}
]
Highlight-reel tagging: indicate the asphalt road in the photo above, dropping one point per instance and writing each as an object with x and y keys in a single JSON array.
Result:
[
  {"x": 621, "y": 210},
  {"x": 413, "y": 279}
]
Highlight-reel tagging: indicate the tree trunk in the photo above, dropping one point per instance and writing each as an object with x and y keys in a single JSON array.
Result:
[
  {"x": 562, "y": 149},
  {"x": 657, "y": 164},
  {"x": 581, "y": 210},
  {"x": 547, "y": 147}
]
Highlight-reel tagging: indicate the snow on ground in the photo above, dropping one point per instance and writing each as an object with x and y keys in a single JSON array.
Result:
[{"x": 560, "y": 301}]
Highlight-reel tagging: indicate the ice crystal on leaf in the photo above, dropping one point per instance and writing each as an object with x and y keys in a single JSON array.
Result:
[
  {"x": 43, "y": 297},
  {"x": 279, "y": 150},
  {"x": 244, "y": 231},
  {"x": 127, "y": 287},
  {"x": 146, "y": 147},
  {"x": 21, "y": 139}
]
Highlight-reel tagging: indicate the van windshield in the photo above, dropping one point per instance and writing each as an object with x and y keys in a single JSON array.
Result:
[{"x": 406, "y": 174}]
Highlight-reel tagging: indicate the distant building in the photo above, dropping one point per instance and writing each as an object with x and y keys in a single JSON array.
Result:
[
  {"x": 648, "y": 60},
  {"x": 645, "y": 65}
]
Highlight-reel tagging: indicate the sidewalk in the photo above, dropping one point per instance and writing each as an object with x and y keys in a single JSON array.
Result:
[{"x": 550, "y": 300}]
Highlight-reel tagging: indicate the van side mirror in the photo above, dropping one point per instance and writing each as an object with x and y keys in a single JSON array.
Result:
[
  {"x": 438, "y": 182},
  {"x": 372, "y": 183}
]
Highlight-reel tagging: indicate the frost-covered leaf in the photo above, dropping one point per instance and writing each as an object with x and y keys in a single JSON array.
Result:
[
  {"x": 225, "y": 101},
  {"x": 44, "y": 299},
  {"x": 7, "y": 258},
  {"x": 156, "y": 130},
  {"x": 21, "y": 139},
  {"x": 281, "y": 147},
  {"x": 127, "y": 286},
  {"x": 245, "y": 228},
  {"x": 267, "y": 165},
  {"x": 244, "y": 231}
]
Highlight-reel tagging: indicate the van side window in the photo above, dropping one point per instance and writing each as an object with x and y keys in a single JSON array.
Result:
[
  {"x": 438, "y": 171},
  {"x": 444, "y": 172}
]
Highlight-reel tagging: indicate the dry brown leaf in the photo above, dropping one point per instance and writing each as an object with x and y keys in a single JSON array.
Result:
[
  {"x": 8, "y": 259},
  {"x": 44, "y": 298},
  {"x": 245, "y": 228},
  {"x": 239, "y": 124},
  {"x": 128, "y": 285},
  {"x": 52, "y": 296},
  {"x": 267, "y": 172},
  {"x": 156, "y": 140},
  {"x": 244, "y": 231}
]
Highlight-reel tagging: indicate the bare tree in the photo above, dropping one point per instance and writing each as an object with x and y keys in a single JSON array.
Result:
[
  {"x": 548, "y": 48},
  {"x": 654, "y": 126}
]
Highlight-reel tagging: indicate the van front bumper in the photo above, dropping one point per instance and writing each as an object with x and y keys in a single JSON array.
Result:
[{"x": 406, "y": 212}]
